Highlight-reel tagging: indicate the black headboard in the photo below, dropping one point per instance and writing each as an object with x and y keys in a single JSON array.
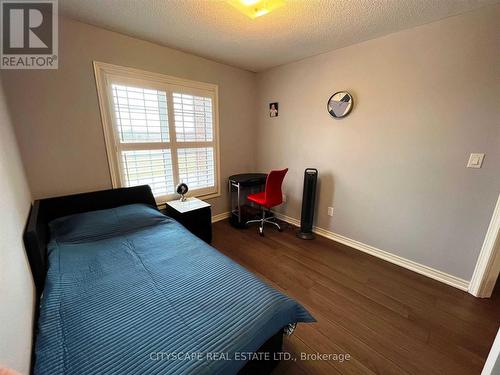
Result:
[{"x": 36, "y": 234}]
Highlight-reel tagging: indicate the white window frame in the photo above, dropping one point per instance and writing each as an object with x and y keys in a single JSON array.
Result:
[{"x": 108, "y": 74}]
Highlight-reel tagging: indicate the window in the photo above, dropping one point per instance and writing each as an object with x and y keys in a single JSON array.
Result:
[{"x": 159, "y": 131}]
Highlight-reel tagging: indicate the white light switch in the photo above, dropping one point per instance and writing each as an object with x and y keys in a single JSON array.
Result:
[{"x": 475, "y": 160}]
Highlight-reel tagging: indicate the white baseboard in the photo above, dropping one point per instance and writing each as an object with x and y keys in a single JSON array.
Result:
[
  {"x": 385, "y": 255},
  {"x": 221, "y": 216}
]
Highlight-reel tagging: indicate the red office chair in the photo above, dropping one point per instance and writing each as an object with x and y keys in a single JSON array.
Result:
[{"x": 269, "y": 198}]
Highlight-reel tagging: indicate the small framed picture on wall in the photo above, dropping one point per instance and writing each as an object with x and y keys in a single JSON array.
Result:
[{"x": 273, "y": 110}]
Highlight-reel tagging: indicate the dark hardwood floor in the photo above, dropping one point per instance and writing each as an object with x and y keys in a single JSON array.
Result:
[{"x": 388, "y": 319}]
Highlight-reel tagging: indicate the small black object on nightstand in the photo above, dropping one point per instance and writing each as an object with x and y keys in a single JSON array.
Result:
[{"x": 194, "y": 214}]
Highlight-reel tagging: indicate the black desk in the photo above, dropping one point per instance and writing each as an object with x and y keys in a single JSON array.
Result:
[{"x": 238, "y": 184}]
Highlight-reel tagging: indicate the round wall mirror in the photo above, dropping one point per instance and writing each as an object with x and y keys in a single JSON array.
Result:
[{"x": 340, "y": 104}]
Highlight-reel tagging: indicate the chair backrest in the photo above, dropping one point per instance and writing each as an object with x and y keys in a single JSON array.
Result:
[{"x": 274, "y": 181}]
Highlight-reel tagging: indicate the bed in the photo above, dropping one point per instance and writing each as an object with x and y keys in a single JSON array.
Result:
[{"x": 123, "y": 289}]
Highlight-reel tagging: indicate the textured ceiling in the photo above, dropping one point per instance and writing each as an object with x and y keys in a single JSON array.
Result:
[{"x": 302, "y": 28}]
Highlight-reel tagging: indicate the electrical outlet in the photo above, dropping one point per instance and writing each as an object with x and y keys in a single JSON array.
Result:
[{"x": 330, "y": 211}]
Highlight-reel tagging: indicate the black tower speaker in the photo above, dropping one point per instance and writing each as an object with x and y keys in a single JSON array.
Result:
[{"x": 308, "y": 199}]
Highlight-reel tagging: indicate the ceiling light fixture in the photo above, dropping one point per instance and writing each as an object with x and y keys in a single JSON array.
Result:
[{"x": 256, "y": 8}]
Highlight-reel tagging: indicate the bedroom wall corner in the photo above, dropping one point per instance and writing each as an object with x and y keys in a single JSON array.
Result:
[
  {"x": 58, "y": 124},
  {"x": 394, "y": 170},
  {"x": 16, "y": 283}
]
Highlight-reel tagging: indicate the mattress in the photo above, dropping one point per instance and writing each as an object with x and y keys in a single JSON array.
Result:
[{"x": 131, "y": 291}]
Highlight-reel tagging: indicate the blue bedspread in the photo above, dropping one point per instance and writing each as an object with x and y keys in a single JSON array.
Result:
[{"x": 131, "y": 291}]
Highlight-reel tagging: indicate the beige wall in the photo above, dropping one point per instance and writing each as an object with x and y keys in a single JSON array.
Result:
[
  {"x": 57, "y": 114},
  {"x": 394, "y": 169},
  {"x": 16, "y": 284}
]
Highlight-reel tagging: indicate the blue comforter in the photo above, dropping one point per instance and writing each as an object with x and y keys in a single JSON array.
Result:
[{"x": 130, "y": 291}]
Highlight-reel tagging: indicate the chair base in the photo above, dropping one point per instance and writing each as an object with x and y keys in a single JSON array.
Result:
[{"x": 269, "y": 220}]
